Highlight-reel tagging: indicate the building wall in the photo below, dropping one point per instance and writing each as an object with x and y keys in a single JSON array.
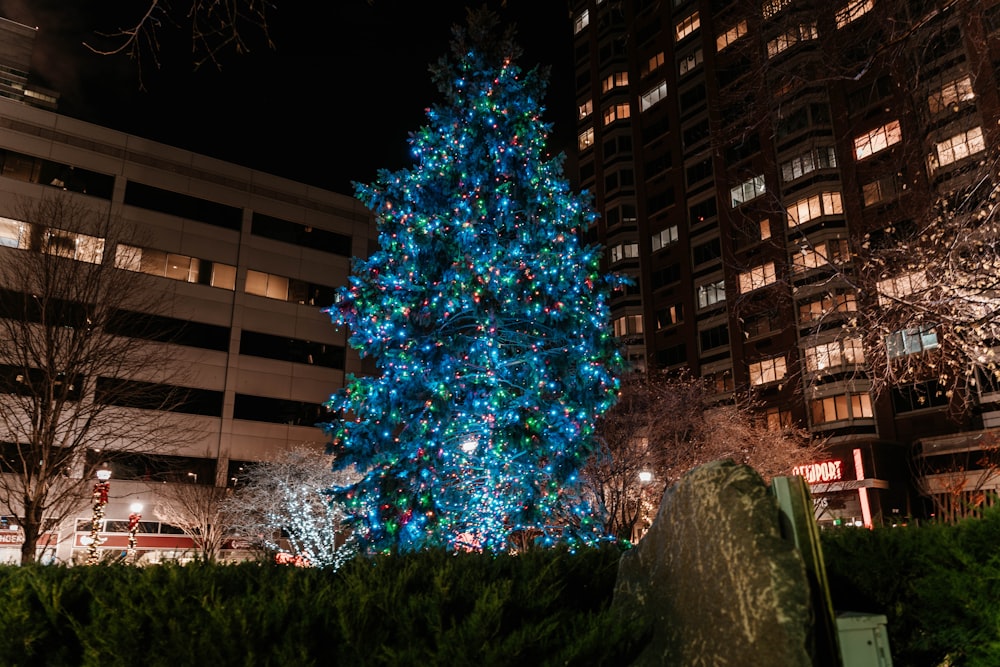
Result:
[{"x": 255, "y": 207}]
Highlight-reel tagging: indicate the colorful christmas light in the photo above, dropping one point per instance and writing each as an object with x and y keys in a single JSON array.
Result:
[{"x": 487, "y": 318}]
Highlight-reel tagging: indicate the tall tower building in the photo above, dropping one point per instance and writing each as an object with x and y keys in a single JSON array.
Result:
[
  {"x": 748, "y": 158},
  {"x": 17, "y": 43}
]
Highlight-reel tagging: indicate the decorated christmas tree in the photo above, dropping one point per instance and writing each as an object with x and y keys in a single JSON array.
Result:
[{"x": 487, "y": 318}]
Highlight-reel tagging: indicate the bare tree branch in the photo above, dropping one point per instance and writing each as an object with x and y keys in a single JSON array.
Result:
[{"x": 65, "y": 374}]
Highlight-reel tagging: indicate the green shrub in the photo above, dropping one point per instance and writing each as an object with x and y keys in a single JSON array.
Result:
[
  {"x": 428, "y": 608},
  {"x": 938, "y": 586}
]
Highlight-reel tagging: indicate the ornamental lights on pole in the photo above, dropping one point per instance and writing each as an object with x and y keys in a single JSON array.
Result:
[
  {"x": 133, "y": 528},
  {"x": 100, "y": 498}
]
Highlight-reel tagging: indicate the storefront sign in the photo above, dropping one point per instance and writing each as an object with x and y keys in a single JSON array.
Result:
[
  {"x": 11, "y": 537},
  {"x": 818, "y": 473}
]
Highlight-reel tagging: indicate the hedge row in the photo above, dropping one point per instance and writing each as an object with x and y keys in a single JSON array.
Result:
[
  {"x": 430, "y": 608},
  {"x": 938, "y": 586}
]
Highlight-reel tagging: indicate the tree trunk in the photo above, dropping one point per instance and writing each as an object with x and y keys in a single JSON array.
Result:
[{"x": 31, "y": 527}]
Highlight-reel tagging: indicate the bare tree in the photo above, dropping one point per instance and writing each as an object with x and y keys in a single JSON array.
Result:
[
  {"x": 283, "y": 503},
  {"x": 662, "y": 427},
  {"x": 65, "y": 374},
  {"x": 212, "y": 26},
  {"x": 201, "y": 511}
]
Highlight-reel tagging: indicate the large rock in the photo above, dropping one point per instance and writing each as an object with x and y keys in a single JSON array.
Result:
[{"x": 721, "y": 586}]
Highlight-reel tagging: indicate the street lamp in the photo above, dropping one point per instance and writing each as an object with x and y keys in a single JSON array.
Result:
[
  {"x": 100, "y": 498},
  {"x": 133, "y": 527}
]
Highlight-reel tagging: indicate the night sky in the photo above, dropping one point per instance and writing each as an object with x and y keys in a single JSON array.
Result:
[{"x": 332, "y": 103}]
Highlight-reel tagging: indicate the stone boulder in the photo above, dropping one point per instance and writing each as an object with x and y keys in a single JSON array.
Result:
[{"x": 714, "y": 576}]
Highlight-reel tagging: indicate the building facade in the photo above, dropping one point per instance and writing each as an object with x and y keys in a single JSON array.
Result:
[
  {"x": 746, "y": 156},
  {"x": 240, "y": 264}
]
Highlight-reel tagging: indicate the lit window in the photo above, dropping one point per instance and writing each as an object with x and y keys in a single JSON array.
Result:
[
  {"x": 616, "y": 112},
  {"x": 711, "y": 293},
  {"x": 670, "y": 316},
  {"x": 823, "y": 157},
  {"x": 628, "y": 325},
  {"x": 11, "y": 232},
  {"x": 911, "y": 341},
  {"x": 815, "y": 206},
  {"x": 721, "y": 381},
  {"x": 840, "y": 408},
  {"x": 174, "y": 266},
  {"x": 790, "y": 37},
  {"x": 881, "y": 190},
  {"x": 624, "y": 251},
  {"x": 653, "y": 63},
  {"x": 616, "y": 80},
  {"x": 665, "y": 237},
  {"x": 757, "y": 277},
  {"x": 586, "y": 139},
  {"x": 581, "y": 21},
  {"x": 731, "y": 35},
  {"x": 689, "y": 62},
  {"x": 267, "y": 285},
  {"x": 820, "y": 255},
  {"x": 586, "y": 109},
  {"x": 653, "y": 95},
  {"x": 776, "y": 419},
  {"x": 816, "y": 310},
  {"x": 687, "y": 26},
  {"x": 834, "y": 354},
  {"x": 853, "y": 11},
  {"x": 772, "y": 7},
  {"x": 747, "y": 190},
  {"x": 900, "y": 287},
  {"x": 960, "y": 146},
  {"x": 951, "y": 95},
  {"x": 767, "y": 370},
  {"x": 877, "y": 140}
]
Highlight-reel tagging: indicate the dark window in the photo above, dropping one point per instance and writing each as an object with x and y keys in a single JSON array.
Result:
[
  {"x": 660, "y": 200},
  {"x": 152, "y": 396},
  {"x": 157, "y": 467},
  {"x": 183, "y": 206},
  {"x": 865, "y": 97},
  {"x": 941, "y": 45},
  {"x": 760, "y": 324},
  {"x": 714, "y": 337},
  {"x": 62, "y": 176},
  {"x": 658, "y": 164},
  {"x": 169, "y": 330},
  {"x": 746, "y": 147},
  {"x": 699, "y": 171},
  {"x": 692, "y": 98},
  {"x": 918, "y": 396},
  {"x": 291, "y": 349},
  {"x": 702, "y": 212},
  {"x": 54, "y": 312},
  {"x": 665, "y": 276},
  {"x": 278, "y": 411},
  {"x": 671, "y": 356},
  {"x": 695, "y": 133},
  {"x": 37, "y": 382},
  {"x": 303, "y": 235},
  {"x": 707, "y": 252},
  {"x": 236, "y": 472}
]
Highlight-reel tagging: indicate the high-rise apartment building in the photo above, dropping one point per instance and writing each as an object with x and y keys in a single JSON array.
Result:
[
  {"x": 17, "y": 43},
  {"x": 746, "y": 156},
  {"x": 239, "y": 263}
]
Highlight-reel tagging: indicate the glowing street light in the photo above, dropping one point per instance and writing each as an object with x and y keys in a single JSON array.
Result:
[
  {"x": 100, "y": 498},
  {"x": 133, "y": 527},
  {"x": 645, "y": 477}
]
